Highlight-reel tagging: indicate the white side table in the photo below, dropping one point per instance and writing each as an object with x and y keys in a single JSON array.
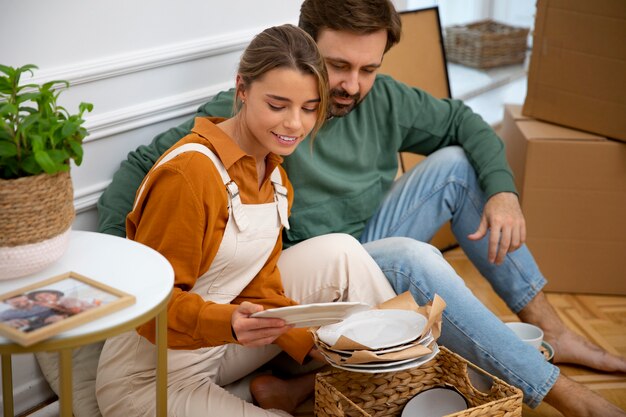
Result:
[{"x": 123, "y": 264}]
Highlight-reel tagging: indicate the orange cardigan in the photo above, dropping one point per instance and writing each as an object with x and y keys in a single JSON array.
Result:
[{"x": 182, "y": 214}]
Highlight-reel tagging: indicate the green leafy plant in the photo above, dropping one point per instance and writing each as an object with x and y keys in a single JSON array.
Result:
[{"x": 36, "y": 134}]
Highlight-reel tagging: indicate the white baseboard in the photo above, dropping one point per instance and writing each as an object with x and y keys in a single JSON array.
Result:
[
  {"x": 29, "y": 394},
  {"x": 50, "y": 410}
]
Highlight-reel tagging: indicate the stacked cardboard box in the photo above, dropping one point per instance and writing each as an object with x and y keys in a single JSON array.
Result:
[
  {"x": 577, "y": 74},
  {"x": 572, "y": 186},
  {"x": 571, "y": 175}
]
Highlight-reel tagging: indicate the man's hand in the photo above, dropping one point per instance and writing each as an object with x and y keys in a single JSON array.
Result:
[
  {"x": 503, "y": 217},
  {"x": 255, "y": 332}
]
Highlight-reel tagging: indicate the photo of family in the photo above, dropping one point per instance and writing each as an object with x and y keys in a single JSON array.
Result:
[{"x": 39, "y": 311}]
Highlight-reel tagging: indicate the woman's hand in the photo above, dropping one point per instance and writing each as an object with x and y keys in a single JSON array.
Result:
[{"x": 253, "y": 332}]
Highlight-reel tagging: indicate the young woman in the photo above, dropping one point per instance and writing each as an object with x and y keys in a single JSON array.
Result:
[{"x": 215, "y": 205}]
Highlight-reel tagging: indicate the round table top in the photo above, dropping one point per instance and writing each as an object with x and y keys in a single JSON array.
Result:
[{"x": 120, "y": 263}]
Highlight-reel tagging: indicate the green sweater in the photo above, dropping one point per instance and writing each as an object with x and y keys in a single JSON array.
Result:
[{"x": 341, "y": 179}]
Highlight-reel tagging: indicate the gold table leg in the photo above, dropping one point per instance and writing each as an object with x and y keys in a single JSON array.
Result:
[
  {"x": 65, "y": 391},
  {"x": 161, "y": 373},
  {"x": 7, "y": 385}
]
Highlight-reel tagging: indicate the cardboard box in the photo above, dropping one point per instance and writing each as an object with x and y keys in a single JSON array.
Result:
[
  {"x": 577, "y": 73},
  {"x": 573, "y": 194},
  {"x": 419, "y": 59}
]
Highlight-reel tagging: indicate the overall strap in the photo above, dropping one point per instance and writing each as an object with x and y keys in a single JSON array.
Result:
[
  {"x": 233, "y": 191},
  {"x": 280, "y": 195}
]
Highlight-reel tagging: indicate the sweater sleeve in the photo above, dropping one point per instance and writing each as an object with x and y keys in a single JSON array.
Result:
[
  {"x": 267, "y": 289},
  {"x": 170, "y": 208},
  {"x": 430, "y": 124},
  {"x": 117, "y": 200}
]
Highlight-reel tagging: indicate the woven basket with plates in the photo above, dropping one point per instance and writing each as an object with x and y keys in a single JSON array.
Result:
[
  {"x": 486, "y": 44},
  {"x": 340, "y": 393},
  {"x": 36, "y": 216}
]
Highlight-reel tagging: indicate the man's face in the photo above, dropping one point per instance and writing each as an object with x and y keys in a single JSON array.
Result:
[
  {"x": 352, "y": 61},
  {"x": 21, "y": 302}
]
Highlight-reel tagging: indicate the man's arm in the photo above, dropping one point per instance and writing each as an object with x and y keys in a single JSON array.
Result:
[
  {"x": 439, "y": 123},
  {"x": 117, "y": 200}
]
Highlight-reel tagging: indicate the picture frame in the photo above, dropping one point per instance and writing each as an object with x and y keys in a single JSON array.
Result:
[{"x": 39, "y": 311}]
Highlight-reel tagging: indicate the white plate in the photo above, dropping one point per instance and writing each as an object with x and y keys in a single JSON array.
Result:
[
  {"x": 435, "y": 402},
  {"x": 397, "y": 367},
  {"x": 378, "y": 365},
  {"x": 426, "y": 340},
  {"x": 381, "y": 365},
  {"x": 310, "y": 315},
  {"x": 376, "y": 329}
]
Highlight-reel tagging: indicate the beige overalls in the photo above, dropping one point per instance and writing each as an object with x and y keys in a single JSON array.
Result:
[{"x": 126, "y": 371}]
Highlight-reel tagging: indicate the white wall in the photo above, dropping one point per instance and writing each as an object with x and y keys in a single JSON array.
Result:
[
  {"x": 461, "y": 12},
  {"x": 146, "y": 65}
]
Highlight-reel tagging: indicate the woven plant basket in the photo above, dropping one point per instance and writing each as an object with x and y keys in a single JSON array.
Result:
[
  {"x": 486, "y": 44},
  {"x": 36, "y": 215},
  {"x": 341, "y": 393}
]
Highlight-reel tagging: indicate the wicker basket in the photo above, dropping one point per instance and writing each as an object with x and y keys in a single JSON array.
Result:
[
  {"x": 37, "y": 213},
  {"x": 340, "y": 393},
  {"x": 486, "y": 44}
]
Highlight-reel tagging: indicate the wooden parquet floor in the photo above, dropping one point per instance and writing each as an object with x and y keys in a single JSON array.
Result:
[{"x": 601, "y": 319}]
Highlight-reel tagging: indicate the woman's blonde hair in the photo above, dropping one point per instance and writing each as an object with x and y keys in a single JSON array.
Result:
[{"x": 285, "y": 46}]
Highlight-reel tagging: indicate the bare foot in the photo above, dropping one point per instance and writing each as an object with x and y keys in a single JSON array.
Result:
[
  {"x": 575, "y": 400},
  {"x": 271, "y": 392},
  {"x": 568, "y": 346}
]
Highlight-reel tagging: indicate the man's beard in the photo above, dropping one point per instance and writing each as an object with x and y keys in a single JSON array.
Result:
[{"x": 340, "y": 110}]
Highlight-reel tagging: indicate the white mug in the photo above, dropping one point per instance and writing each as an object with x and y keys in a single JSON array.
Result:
[{"x": 528, "y": 333}]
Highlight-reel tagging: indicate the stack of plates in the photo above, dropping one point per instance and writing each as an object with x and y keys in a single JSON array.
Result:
[{"x": 377, "y": 341}]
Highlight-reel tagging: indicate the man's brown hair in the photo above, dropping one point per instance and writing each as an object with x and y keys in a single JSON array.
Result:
[{"x": 357, "y": 16}]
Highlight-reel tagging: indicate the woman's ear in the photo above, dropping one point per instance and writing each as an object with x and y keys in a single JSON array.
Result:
[{"x": 240, "y": 89}]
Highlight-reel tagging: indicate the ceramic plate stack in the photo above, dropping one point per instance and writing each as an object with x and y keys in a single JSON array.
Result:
[{"x": 378, "y": 341}]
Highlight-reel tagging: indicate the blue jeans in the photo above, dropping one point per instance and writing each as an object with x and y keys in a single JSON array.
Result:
[{"x": 444, "y": 187}]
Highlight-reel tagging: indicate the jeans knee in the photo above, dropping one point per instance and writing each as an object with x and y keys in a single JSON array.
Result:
[
  {"x": 447, "y": 166},
  {"x": 454, "y": 157},
  {"x": 400, "y": 252},
  {"x": 415, "y": 249}
]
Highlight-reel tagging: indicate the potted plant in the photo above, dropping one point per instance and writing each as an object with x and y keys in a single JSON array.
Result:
[{"x": 38, "y": 139}]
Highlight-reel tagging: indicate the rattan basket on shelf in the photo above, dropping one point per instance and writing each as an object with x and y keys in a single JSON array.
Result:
[
  {"x": 341, "y": 393},
  {"x": 486, "y": 44}
]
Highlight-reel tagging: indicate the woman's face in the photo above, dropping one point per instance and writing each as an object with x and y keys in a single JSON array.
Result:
[
  {"x": 46, "y": 297},
  {"x": 279, "y": 110}
]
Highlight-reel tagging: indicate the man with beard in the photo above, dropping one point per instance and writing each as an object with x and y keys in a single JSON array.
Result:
[{"x": 344, "y": 182}]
